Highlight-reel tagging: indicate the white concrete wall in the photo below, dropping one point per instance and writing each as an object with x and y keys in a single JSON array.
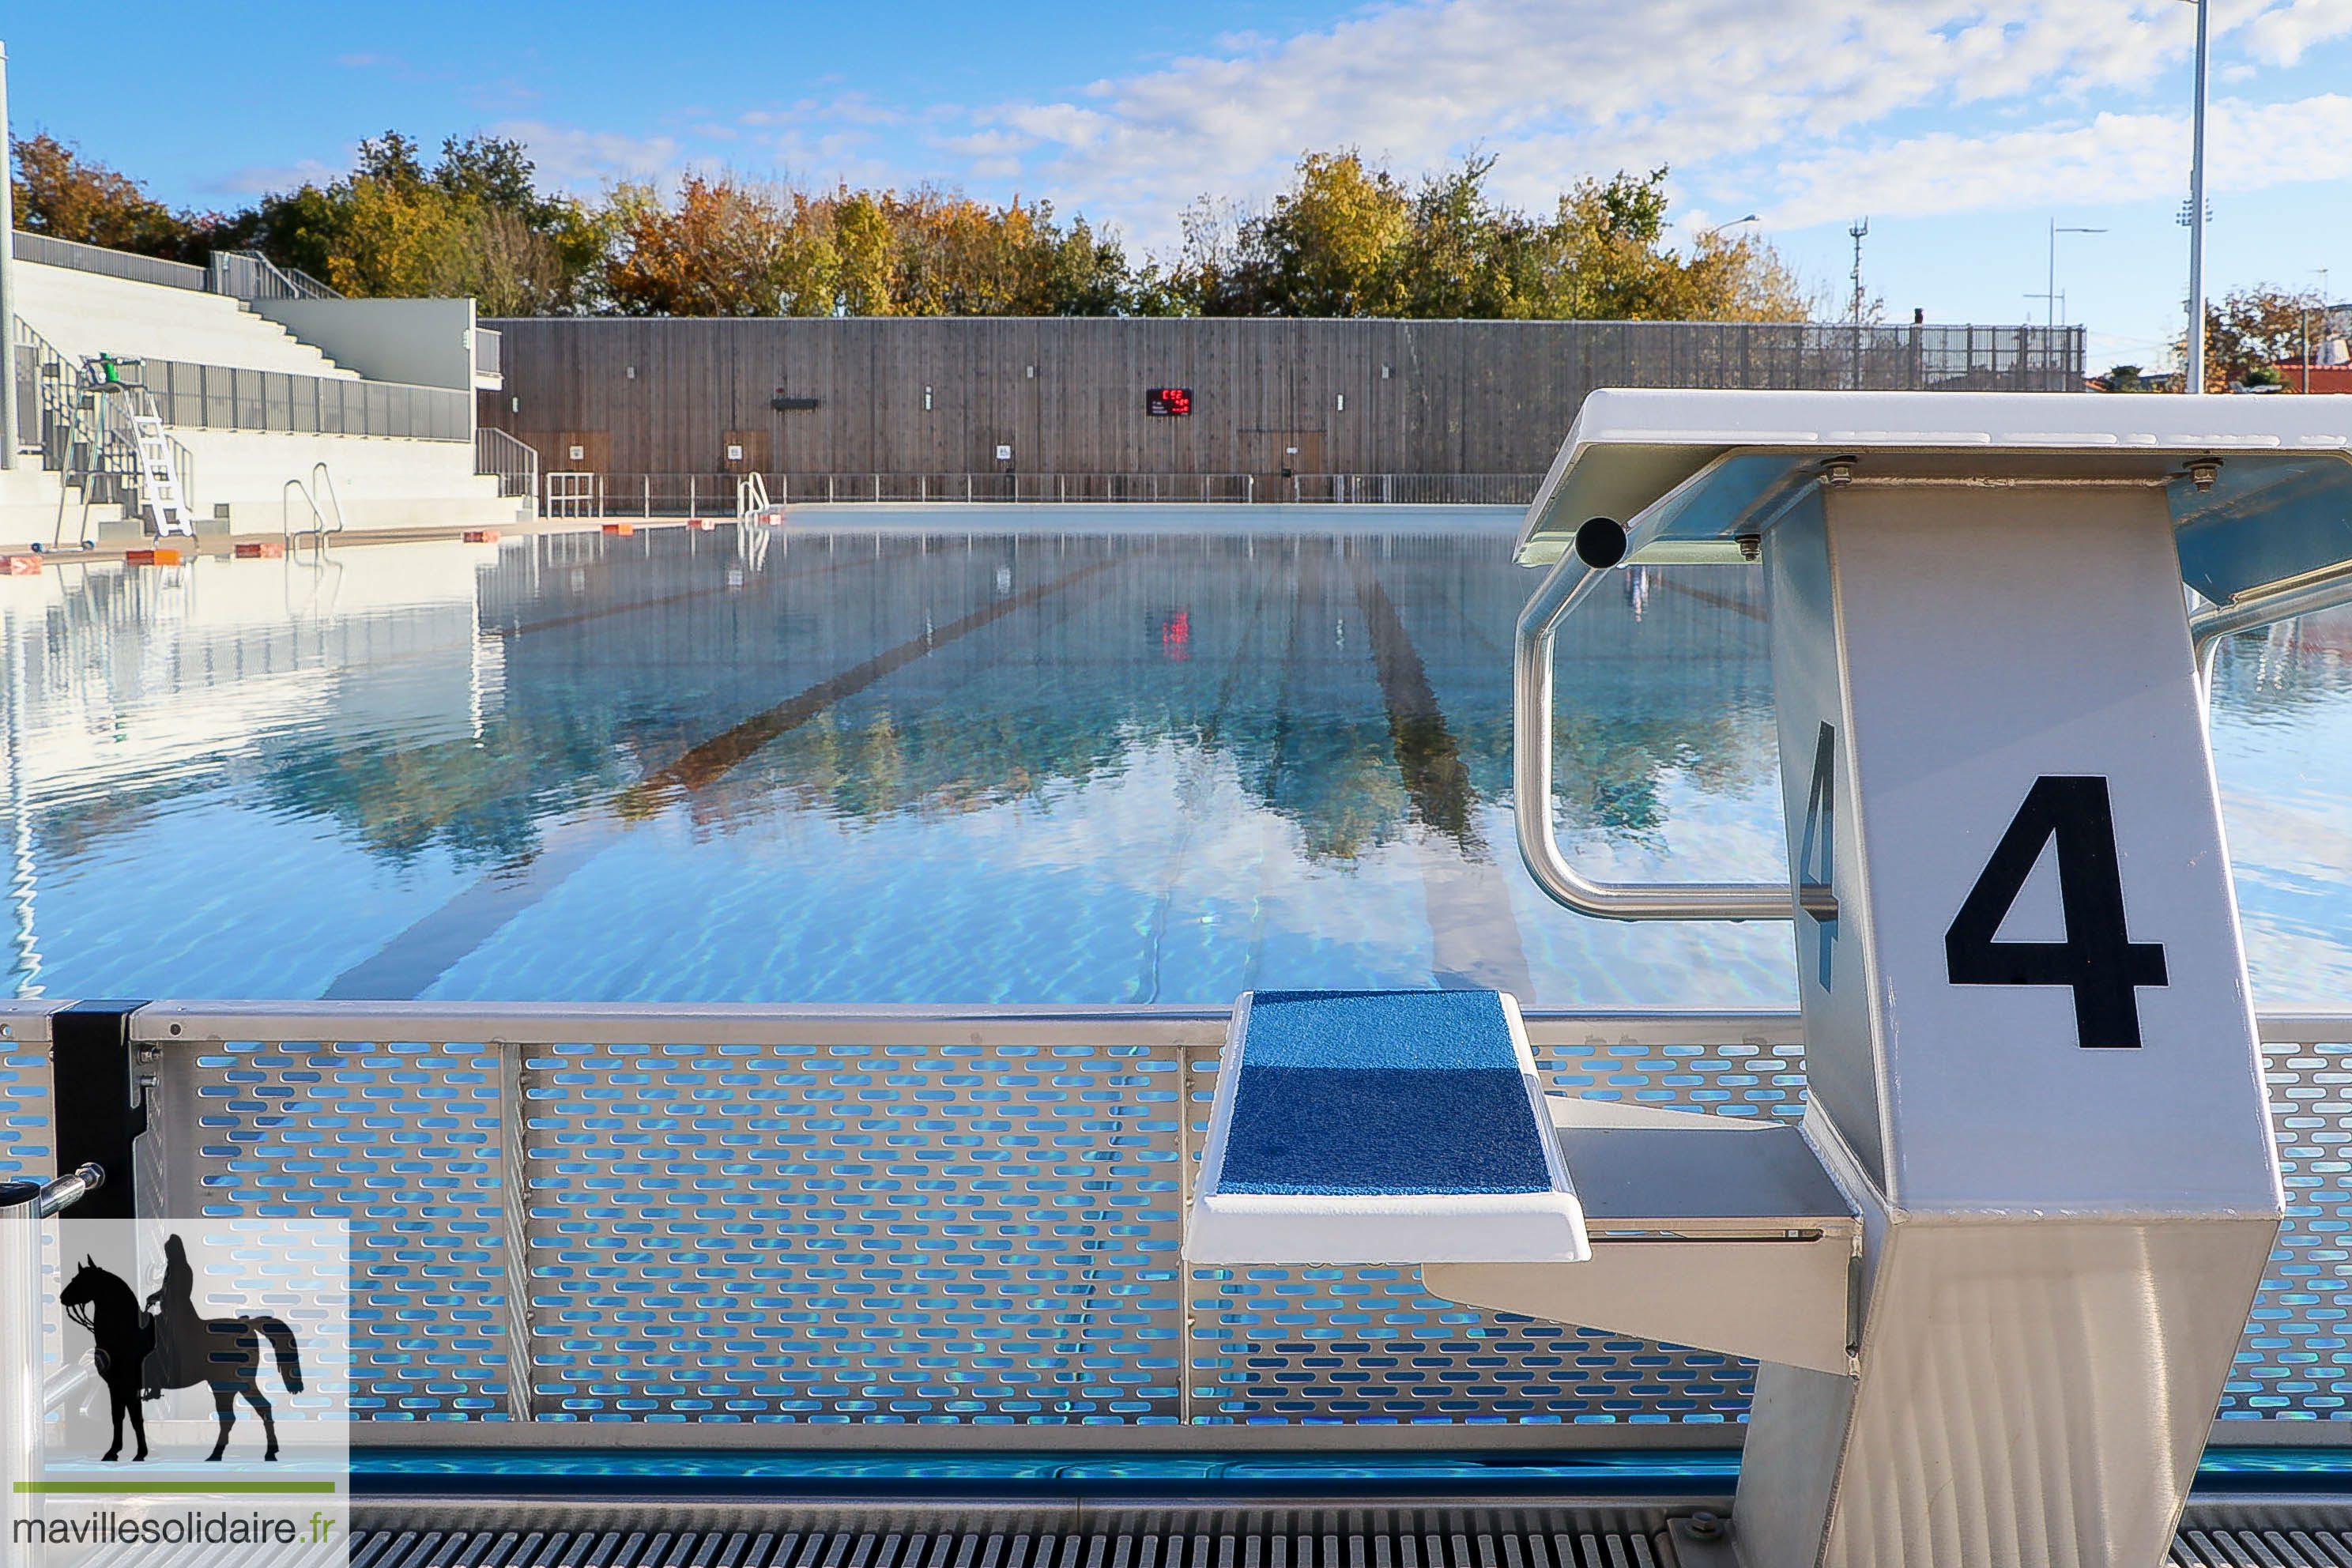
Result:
[
  {"x": 86, "y": 313},
  {"x": 424, "y": 342},
  {"x": 383, "y": 483}
]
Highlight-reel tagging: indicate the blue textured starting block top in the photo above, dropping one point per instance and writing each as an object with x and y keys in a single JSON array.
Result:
[
  {"x": 1382, "y": 1092},
  {"x": 1381, "y": 1126}
]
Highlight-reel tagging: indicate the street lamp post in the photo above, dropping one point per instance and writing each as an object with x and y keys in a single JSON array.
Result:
[
  {"x": 2051, "y": 299},
  {"x": 1708, "y": 233}
]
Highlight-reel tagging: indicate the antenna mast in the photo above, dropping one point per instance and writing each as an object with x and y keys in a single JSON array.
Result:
[{"x": 1860, "y": 227}]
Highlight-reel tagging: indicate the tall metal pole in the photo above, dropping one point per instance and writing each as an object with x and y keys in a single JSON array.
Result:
[
  {"x": 7, "y": 280},
  {"x": 2194, "y": 374}
]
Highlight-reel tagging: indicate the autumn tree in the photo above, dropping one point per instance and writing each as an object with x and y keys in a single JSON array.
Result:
[
  {"x": 473, "y": 224},
  {"x": 60, "y": 193},
  {"x": 2254, "y": 330},
  {"x": 1348, "y": 239},
  {"x": 728, "y": 247}
]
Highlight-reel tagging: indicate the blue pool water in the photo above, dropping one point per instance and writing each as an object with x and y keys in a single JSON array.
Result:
[{"x": 904, "y": 764}]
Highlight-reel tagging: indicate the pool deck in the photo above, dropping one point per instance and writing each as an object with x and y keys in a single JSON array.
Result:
[{"x": 993, "y": 518}]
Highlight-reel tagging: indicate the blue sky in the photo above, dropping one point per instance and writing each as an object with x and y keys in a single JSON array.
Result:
[{"x": 1963, "y": 130}]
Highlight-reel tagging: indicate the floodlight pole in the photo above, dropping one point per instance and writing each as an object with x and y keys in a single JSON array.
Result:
[{"x": 2193, "y": 374}]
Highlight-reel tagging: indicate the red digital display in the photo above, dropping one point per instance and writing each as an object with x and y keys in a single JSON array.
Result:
[{"x": 1169, "y": 402}]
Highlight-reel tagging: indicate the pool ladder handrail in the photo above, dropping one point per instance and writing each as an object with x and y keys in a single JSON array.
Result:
[
  {"x": 752, "y": 498},
  {"x": 320, "y": 482}
]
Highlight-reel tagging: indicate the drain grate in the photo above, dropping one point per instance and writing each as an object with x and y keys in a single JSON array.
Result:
[
  {"x": 668, "y": 1538},
  {"x": 551, "y": 1534}
]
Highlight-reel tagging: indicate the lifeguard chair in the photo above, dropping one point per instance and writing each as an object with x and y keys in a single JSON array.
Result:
[{"x": 1996, "y": 1276}]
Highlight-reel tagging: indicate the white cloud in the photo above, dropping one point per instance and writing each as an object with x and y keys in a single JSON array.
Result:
[
  {"x": 1561, "y": 87},
  {"x": 2113, "y": 157},
  {"x": 1803, "y": 109},
  {"x": 570, "y": 157}
]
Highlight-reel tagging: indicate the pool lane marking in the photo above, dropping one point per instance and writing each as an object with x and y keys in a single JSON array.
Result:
[
  {"x": 1708, "y": 597},
  {"x": 416, "y": 957},
  {"x": 1201, "y": 763},
  {"x": 706, "y": 763},
  {"x": 1474, "y": 934}
]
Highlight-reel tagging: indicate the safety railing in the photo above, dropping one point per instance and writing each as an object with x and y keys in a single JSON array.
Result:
[
  {"x": 50, "y": 251},
  {"x": 514, "y": 463},
  {"x": 223, "y": 397},
  {"x": 44, "y": 396},
  {"x": 787, "y": 1220},
  {"x": 249, "y": 274}
]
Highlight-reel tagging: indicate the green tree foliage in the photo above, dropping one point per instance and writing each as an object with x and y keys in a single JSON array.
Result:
[
  {"x": 1350, "y": 240},
  {"x": 733, "y": 248},
  {"x": 472, "y": 224},
  {"x": 60, "y": 193},
  {"x": 2252, "y": 330}
]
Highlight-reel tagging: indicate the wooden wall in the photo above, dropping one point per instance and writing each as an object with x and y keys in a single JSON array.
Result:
[{"x": 664, "y": 396}]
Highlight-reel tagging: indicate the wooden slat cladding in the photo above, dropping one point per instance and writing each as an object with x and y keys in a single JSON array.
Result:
[{"x": 1067, "y": 395}]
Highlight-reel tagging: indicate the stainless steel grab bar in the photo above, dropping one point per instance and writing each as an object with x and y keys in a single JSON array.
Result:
[
  {"x": 69, "y": 1190},
  {"x": 1569, "y": 586}
]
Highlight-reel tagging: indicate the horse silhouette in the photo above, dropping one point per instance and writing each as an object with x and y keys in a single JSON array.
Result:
[{"x": 175, "y": 1348}]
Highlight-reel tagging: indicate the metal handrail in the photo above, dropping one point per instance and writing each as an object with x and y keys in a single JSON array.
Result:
[
  {"x": 2327, "y": 589},
  {"x": 69, "y": 1190},
  {"x": 751, "y": 497},
  {"x": 320, "y": 482},
  {"x": 1569, "y": 584},
  {"x": 516, "y": 463},
  {"x": 249, "y": 274}
]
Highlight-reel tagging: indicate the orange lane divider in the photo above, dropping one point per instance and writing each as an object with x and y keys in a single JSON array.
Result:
[
  {"x": 703, "y": 524},
  {"x": 624, "y": 529},
  {"x": 153, "y": 557},
  {"x": 481, "y": 536},
  {"x": 22, "y": 565},
  {"x": 261, "y": 550}
]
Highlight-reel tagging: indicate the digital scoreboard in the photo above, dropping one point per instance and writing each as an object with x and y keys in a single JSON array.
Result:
[{"x": 1169, "y": 402}]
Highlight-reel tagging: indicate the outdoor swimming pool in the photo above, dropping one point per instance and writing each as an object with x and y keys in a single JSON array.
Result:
[{"x": 887, "y": 760}]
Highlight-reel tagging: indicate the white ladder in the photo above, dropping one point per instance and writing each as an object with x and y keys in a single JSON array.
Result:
[{"x": 160, "y": 496}]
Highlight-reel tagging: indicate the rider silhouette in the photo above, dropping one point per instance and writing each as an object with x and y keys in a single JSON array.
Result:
[{"x": 177, "y": 1325}]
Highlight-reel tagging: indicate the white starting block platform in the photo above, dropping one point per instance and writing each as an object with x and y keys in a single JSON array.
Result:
[{"x": 1997, "y": 1277}]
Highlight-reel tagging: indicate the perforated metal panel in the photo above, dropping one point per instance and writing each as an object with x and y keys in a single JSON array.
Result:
[
  {"x": 403, "y": 1140},
  {"x": 2296, "y": 1359},
  {"x": 980, "y": 1228},
  {"x": 861, "y": 1233}
]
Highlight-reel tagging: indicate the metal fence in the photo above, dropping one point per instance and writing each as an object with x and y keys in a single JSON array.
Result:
[
  {"x": 222, "y": 397},
  {"x": 1819, "y": 355},
  {"x": 586, "y": 494},
  {"x": 249, "y": 274},
  {"x": 81, "y": 258},
  {"x": 795, "y": 1218}
]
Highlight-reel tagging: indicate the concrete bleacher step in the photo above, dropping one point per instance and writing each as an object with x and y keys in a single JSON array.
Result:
[{"x": 86, "y": 313}]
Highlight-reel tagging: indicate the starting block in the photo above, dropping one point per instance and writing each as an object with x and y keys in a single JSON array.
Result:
[
  {"x": 1996, "y": 1277},
  {"x": 1370, "y": 1127}
]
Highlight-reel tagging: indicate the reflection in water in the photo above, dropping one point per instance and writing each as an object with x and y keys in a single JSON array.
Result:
[{"x": 869, "y": 767}]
